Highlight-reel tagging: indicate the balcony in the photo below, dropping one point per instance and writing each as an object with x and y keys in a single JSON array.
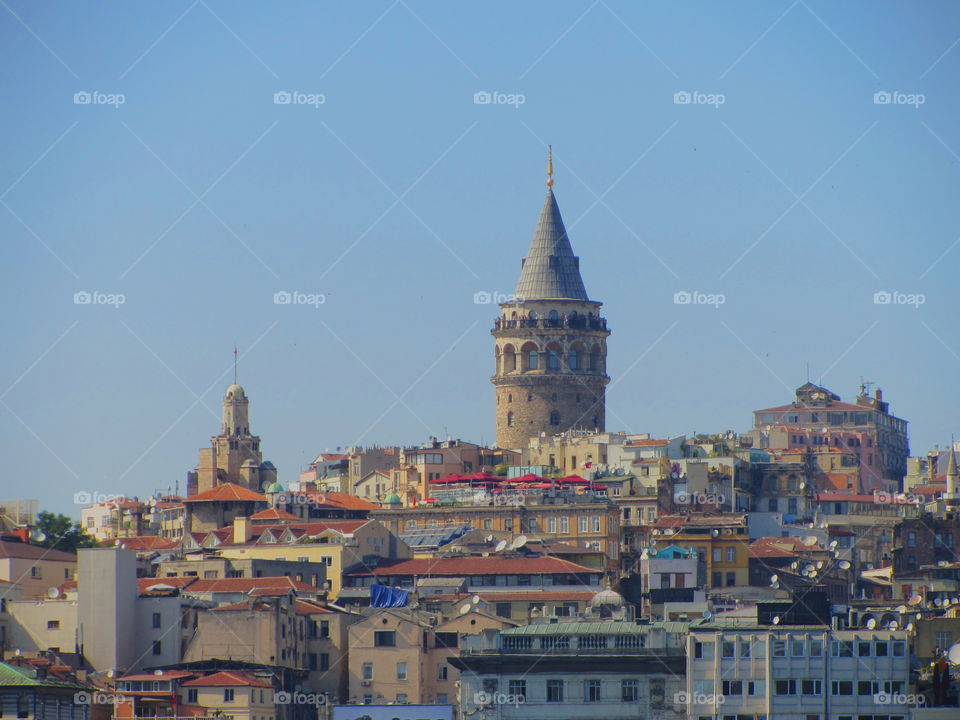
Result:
[{"x": 579, "y": 322}]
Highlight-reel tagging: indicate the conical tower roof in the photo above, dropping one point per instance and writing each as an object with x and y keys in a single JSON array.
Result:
[{"x": 550, "y": 269}]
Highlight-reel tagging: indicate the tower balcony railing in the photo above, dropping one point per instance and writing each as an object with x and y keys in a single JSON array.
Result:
[{"x": 579, "y": 322}]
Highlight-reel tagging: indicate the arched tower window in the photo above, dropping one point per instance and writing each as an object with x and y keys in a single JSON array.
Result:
[
  {"x": 509, "y": 398},
  {"x": 553, "y": 359},
  {"x": 530, "y": 357},
  {"x": 510, "y": 419},
  {"x": 572, "y": 360},
  {"x": 509, "y": 358},
  {"x": 554, "y": 418}
]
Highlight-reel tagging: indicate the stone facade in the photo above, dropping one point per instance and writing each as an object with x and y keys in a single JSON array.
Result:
[{"x": 549, "y": 344}]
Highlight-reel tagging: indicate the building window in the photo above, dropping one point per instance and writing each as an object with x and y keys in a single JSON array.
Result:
[
  {"x": 442, "y": 671},
  {"x": 731, "y": 579},
  {"x": 732, "y": 687},
  {"x": 384, "y": 638},
  {"x": 591, "y": 690},
  {"x": 583, "y": 523},
  {"x": 192, "y": 696},
  {"x": 552, "y": 525},
  {"x": 553, "y": 360},
  {"x": 53, "y": 624},
  {"x": 943, "y": 639},
  {"x": 311, "y": 661},
  {"x": 703, "y": 650},
  {"x": 554, "y": 418},
  {"x": 811, "y": 687},
  {"x": 779, "y": 648},
  {"x": 36, "y": 572},
  {"x": 517, "y": 688},
  {"x": 156, "y": 620},
  {"x": 726, "y": 649},
  {"x": 731, "y": 554},
  {"x": 504, "y": 610},
  {"x": 448, "y": 640},
  {"x": 555, "y": 691},
  {"x": 401, "y": 671},
  {"x": 533, "y": 362},
  {"x": 816, "y": 647},
  {"x": 564, "y": 525},
  {"x": 785, "y": 687},
  {"x": 911, "y": 539},
  {"x": 796, "y": 647},
  {"x": 717, "y": 554},
  {"x": 745, "y": 648},
  {"x": 228, "y": 694},
  {"x": 629, "y": 691},
  {"x": 572, "y": 359},
  {"x": 510, "y": 419},
  {"x": 841, "y": 687},
  {"x": 156, "y": 648},
  {"x": 367, "y": 671}
]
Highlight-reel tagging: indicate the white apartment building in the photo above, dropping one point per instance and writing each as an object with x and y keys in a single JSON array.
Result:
[{"x": 745, "y": 671}]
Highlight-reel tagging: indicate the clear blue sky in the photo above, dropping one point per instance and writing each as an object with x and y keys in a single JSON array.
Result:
[{"x": 305, "y": 198}]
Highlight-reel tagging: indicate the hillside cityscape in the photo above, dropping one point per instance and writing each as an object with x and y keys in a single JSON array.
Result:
[{"x": 406, "y": 360}]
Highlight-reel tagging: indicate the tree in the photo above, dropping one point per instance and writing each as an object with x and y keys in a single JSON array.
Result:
[{"x": 62, "y": 533}]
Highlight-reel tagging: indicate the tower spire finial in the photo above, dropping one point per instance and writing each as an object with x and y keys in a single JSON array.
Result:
[
  {"x": 234, "y": 364},
  {"x": 550, "y": 166}
]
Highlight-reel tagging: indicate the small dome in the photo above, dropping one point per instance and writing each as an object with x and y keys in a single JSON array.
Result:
[
  {"x": 236, "y": 391},
  {"x": 267, "y": 465},
  {"x": 392, "y": 499},
  {"x": 275, "y": 487},
  {"x": 606, "y": 597}
]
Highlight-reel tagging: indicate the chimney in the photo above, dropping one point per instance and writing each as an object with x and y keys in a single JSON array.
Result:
[
  {"x": 879, "y": 394},
  {"x": 242, "y": 529}
]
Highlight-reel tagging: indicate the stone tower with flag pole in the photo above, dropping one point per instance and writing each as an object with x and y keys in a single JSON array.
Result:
[{"x": 550, "y": 342}]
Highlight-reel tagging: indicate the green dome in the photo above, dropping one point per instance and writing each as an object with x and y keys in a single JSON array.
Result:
[
  {"x": 392, "y": 499},
  {"x": 275, "y": 487}
]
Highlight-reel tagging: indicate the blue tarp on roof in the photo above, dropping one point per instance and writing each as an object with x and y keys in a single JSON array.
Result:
[{"x": 382, "y": 596}]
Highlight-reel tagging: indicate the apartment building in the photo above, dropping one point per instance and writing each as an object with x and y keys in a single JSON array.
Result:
[{"x": 738, "y": 668}]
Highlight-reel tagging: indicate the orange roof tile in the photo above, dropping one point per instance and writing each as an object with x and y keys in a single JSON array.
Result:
[
  {"x": 147, "y": 542},
  {"x": 227, "y": 492},
  {"x": 258, "y": 585},
  {"x": 273, "y": 514}
]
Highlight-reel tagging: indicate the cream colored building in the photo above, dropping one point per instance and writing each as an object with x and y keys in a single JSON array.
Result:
[
  {"x": 35, "y": 569},
  {"x": 403, "y": 656},
  {"x": 233, "y": 694}
]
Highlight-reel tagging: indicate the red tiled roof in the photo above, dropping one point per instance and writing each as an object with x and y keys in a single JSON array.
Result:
[
  {"x": 831, "y": 405},
  {"x": 344, "y": 501},
  {"x": 147, "y": 542},
  {"x": 259, "y": 585},
  {"x": 305, "y": 607},
  {"x": 25, "y": 551},
  {"x": 844, "y": 497},
  {"x": 273, "y": 514},
  {"x": 646, "y": 443},
  {"x": 227, "y": 492},
  {"x": 227, "y": 679},
  {"x": 144, "y": 585},
  {"x": 770, "y": 551},
  {"x": 243, "y": 605},
  {"x": 314, "y": 527},
  {"x": 478, "y": 566}
]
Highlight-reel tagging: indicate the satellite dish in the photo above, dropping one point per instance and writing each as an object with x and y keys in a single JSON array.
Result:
[
  {"x": 465, "y": 608},
  {"x": 810, "y": 540},
  {"x": 833, "y": 544},
  {"x": 501, "y": 546},
  {"x": 774, "y": 578},
  {"x": 794, "y": 564},
  {"x": 475, "y": 599},
  {"x": 707, "y": 615},
  {"x": 909, "y": 627},
  {"x": 37, "y": 535},
  {"x": 953, "y": 654},
  {"x": 111, "y": 673},
  {"x": 938, "y": 602},
  {"x": 871, "y": 623},
  {"x": 844, "y": 564},
  {"x": 158, "y": 672},
  {"x": 776, "y": 619},
  {"x": 893, "y": 625},
  {"x": 819, "y": 564},
  {"x": 644, "y": 554},
  {"x": 775, "y": 585},
  {"x": 519, "y": 542},
  {"x": 915, "y": 600},
  {"x": 53, "y": 593},
  {"x": 901, "y": 609},
  {"x": 488, "y": 538},
  {"x": 714, "y": 532}
]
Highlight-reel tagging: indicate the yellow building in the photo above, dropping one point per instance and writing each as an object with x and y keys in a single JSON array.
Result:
[
  {"x": 233, "y": 694},
  {"x": 721, "y": 541},
  {"x": 338, "y": 544}
]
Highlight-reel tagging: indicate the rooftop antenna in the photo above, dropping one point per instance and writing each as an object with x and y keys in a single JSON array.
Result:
[
  {"x": 234, "y": 364},
  {"x": 549, "y": 166}
]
